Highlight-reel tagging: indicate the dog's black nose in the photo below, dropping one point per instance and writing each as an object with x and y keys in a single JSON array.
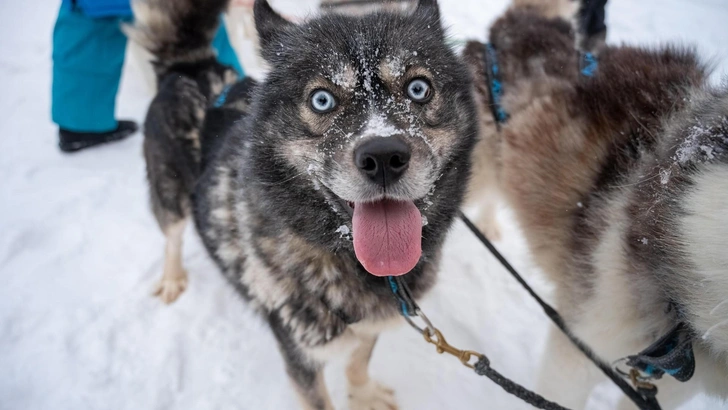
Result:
[{"x": 383, "y": 159}]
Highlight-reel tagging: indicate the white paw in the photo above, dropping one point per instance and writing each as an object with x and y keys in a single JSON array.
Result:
[
  {"x": 169, "y": 288},
  {"x": 371, "y": 396}
]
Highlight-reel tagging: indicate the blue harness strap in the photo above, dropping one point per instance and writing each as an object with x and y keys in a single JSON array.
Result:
[
  {"x": 407, "y": 305},
  {"x": 671, "y": 354},
  {"x": 220, "y": 101},
  {"x": 588, "y": 65},
  {"x": 495, "y": 84}
]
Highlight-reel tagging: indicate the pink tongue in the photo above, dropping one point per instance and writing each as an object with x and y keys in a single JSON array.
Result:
[{"x": 387, "y": 236}]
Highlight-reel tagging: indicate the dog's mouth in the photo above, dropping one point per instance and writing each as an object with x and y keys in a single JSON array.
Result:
[
  {"x": 387, "y": 235},
  {"x": 387, "y": 232}
]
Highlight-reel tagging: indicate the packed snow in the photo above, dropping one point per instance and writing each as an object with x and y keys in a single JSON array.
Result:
[{"x": 80, "y": 254}]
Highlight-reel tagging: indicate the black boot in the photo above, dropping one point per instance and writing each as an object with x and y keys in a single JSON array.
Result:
[
  {"x": 592, "y": 28},
  {"x": 70, "y": 141}
]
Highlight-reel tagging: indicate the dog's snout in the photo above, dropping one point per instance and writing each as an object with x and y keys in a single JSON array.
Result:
[{"x": 383, "y": 159}]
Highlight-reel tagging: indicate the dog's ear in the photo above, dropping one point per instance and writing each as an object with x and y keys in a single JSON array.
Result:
[
  {"x": 268, "y": 23},
  {"x": 429, "y": 8}
]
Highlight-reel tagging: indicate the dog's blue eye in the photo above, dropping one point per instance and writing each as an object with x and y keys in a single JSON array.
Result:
[
  {"x": 419, "y": 90},
  {"x": 323, "y": 101}
]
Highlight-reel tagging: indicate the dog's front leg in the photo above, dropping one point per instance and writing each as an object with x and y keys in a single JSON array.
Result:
[
  {"x": 566, "y": 375},
  {"x": 305, "y": 330},
  {"x": 308, "y": 381},
  {"x": 365, "y": 393},
  {"x": 174, "y": 278},
  {"x": 306, "y": 375}
]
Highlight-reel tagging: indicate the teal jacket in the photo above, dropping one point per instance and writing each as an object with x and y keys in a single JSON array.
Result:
[
  {"x": 88, "y": 57},
  {"x": 103, "y": 8}
]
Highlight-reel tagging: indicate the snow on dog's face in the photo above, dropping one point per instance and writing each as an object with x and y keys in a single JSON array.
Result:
[{"x": 373, "y": 111}]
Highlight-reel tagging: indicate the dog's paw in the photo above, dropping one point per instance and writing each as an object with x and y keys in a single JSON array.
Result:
[
  {"x": 169, "y": 288},
  {"x": 371, "y": 396}
]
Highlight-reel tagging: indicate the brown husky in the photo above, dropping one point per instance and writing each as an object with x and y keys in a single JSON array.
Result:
[{"x": 620, "y": 182}]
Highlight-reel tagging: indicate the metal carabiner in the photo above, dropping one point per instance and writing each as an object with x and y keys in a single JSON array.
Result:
[{"x": 436, "y": 338}]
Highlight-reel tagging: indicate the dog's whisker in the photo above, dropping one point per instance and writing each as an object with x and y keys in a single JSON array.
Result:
[
  {"x": 710, "y": 330},
  {"x": 718, "y": 306},
  {"x": 641, "y": 181},
  {"x": 298, "y": 175}
]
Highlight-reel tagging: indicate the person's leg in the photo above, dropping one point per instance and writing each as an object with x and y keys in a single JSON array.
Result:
[
  {"x": 592, "y": 27},
  {"x": 225, "y": 52},
  {"x": 594, "y": 15},
  {"x": 88, "y": 56}
]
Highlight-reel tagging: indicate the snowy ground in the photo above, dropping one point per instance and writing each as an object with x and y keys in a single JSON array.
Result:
[{"x": 80, "y": 252}]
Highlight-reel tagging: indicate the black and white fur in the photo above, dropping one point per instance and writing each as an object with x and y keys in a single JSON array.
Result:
[
  {"x": 271, "y": 204},
  {"x": 189, "y": 77}
]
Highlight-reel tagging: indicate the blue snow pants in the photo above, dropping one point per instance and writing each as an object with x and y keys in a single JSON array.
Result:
[{"x": 88, "y": 56}]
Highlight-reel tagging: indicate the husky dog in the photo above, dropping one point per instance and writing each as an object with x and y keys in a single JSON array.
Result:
[
  {"x": 179, "y": 35},
  {"x": 620, "y": 184},
  {"x": 349, "y": 164}
]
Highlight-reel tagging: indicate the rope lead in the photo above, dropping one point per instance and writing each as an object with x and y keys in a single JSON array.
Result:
[
  {"x": 482, "y": 367},
  {"x": 644, "y": 402}
]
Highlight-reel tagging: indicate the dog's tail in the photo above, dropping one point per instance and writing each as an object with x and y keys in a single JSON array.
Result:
[
  {"x": 176, "y": 30},
  {"x": 565, "y": 9}
]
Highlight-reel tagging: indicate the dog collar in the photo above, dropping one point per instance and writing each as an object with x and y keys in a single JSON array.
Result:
[
  {"x": 588, "y": 64},
  {"x": 672, "y": 354},
  {"x": 220, "y": 100},
  {"x": 495, "y": 85}
]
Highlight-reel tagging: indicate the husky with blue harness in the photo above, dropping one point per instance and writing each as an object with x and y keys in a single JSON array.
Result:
[
  {"x": 190, "y": 78},
  {"x": 346, "y": 164},
  {"x": 617, "y": 170}
]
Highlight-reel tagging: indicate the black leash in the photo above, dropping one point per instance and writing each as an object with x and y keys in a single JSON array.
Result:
[
  {"x": 644, "y": 398},
  {"x": 409, "y": 309},
  {"x": 482, "y": 367}
]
